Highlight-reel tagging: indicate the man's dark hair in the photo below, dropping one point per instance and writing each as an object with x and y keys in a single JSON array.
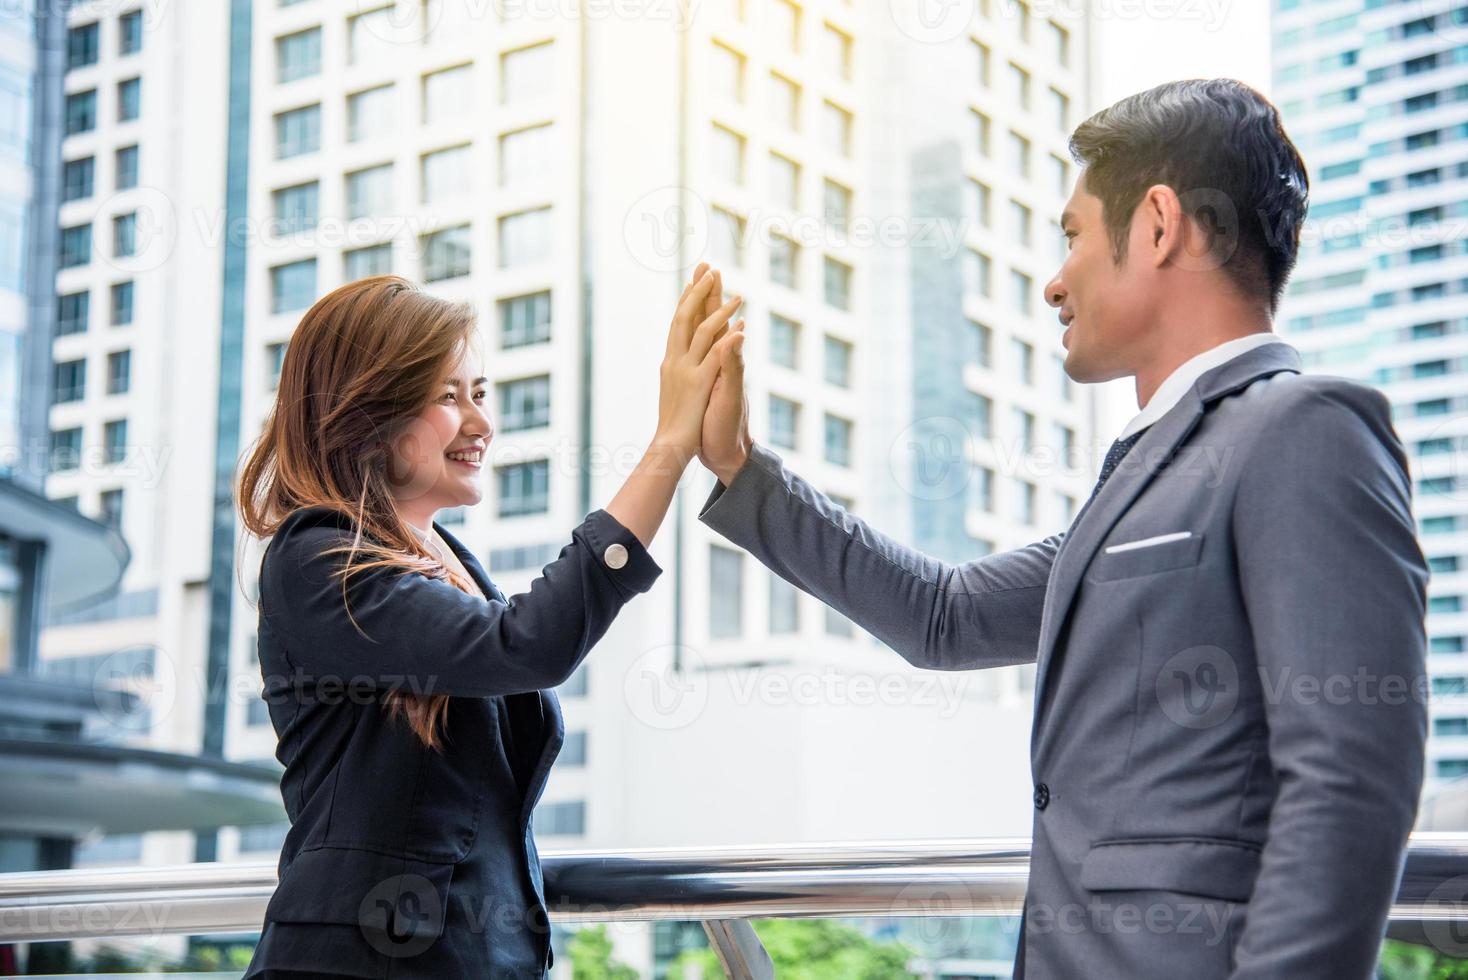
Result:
[{"x": 1218, "y": 144}]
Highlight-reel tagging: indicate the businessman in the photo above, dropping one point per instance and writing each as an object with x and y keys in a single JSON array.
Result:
[{"x": 1229, "y": 719}]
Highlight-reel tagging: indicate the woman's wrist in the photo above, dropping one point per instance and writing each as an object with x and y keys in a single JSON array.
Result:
[{"x": 669, "y": 455}]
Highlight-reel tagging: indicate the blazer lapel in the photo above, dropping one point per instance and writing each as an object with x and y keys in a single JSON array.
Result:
[
  {"x": 1148, "y": 456},
  {"x": 553, "y": 727},
  {"x": 471, "y": 564}
]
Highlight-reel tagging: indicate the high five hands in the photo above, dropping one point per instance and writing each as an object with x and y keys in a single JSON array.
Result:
[
  {"x": 724, "y": 444},
  {"x": 700, "y": 344}
]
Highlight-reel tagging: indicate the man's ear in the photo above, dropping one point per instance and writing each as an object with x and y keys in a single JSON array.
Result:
[{"x": 1166, "y": 225}]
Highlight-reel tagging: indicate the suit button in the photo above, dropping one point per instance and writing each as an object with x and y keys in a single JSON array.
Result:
[
  {"x": 616, "y": 555},
  {"x": 1042, "y": 796}
]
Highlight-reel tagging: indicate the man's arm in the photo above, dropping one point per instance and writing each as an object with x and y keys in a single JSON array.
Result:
[
  {"x": 1335, "y": 587},
  {"x": 984, "y": 613}
]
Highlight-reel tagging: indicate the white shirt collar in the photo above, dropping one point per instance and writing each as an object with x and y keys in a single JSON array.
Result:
[{"x": 1181, "y": 379}]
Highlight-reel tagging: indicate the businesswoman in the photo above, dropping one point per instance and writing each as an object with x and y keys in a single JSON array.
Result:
[{"x": 411, "y": 698}]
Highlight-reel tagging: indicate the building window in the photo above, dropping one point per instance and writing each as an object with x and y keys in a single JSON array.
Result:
[
  {"x": 1019, "y": 154},
  {"x": 784, "y": 606},
  {"x": 784, "y": 341},
  {"x": 525, "y": 238},
  {"x": 448, "y": 93},
  {"x": 119, "y": 371},
  {"x": 370, "y": 192},
  {"x": 296, "y": 208},
  {"x": 573, "y": 750},
  {"x": 129, "y": 99},
  {"x": 784, "y": 422},
  {"x": 525, "y": 155},
  {"x": 297, "y": 131},
  {"x": 1024, "y": 430},
  {"x": 71, "y": 312},
  {"x": 70, "y": 381},
  {"x": 727, "y": 152},
  {"x": 784, "y": 257},
  {"x": 1024, "y": 360},
  {"x": 76, "y": 179},
  {"x": 525, "y": 320},
  {"x": 565, "y": 819},
  {"x": 1021, "y": 288},
  {"x": 838, "y": 440},
  {"x": 726, "y": 237},
  {"x": 445, "y": 174},
  {"x": 979, "y": 343},
  {"x": 524, "y": 403},
  {"x": 81, "y": 112},
  {"x": 274, "y": 360},
  {"x": 66, "y": 449},
  {"x": 371, "y": 36},
  {"x": 838, "y": 362},
  {"x": 371, "y": 260},
  {"x": 371, "y": 113},
  {"x": 726, "y": 593},
  {"x": 76, "y": 246},
  {"x": 981, "y": 490},
  {"x": 978, "y": 272},
  {"x": 837, "y": 202},
  {"x": 298, "y": 55},
  {"x": 837, "y": 129},
  {"x": 1020, "y": 85},
  {"x": 784, "y": 22},
  {"x": 1020, "y": 220},
  {"x": 114, "y": 440},
  {"x": 524, "y": 488},
  {"x": 81, "y": 46},
  {"x": 784, "y": 182},
  {"x": 292, "y": 286},
  {"x": 126, "y": 168},
  {"x": 125, "y": 235},
  {"x": 130, "y": 33},
  {"x": 447, "y": 254},
  {"x": 982, "y": 131},
  {"x": 121, "y": 303},
  {"x": 784, "y": 102},
  {"x": 109, "y": 503},
  {"x": 838, "y": 284},
  {"x": 727, "y": 69},
  {"x": 526, "y": 74},
  {"x": 837, "y": 44},
  {"x": 1060, "y": 110}
]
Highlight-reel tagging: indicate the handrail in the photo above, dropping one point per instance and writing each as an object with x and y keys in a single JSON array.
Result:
[
  {"x": 712, "y": 885},
  {"x": 984, "y": 877}
]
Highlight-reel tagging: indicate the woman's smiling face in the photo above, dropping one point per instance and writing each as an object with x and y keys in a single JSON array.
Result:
[{"x": 439, "y": 456}]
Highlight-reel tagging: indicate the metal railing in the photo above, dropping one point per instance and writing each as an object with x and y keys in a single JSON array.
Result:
[{"x": 723, "y": 888}]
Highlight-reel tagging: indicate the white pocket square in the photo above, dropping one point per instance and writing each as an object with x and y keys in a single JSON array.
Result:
[{"x": 1148, "y": 542}]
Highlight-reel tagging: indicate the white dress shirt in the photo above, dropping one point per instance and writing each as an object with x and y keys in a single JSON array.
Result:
[{"x": 1189, "y": 371}]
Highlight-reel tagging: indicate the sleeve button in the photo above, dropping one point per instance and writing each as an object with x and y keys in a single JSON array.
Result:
[{"x": 616, "y": 555}]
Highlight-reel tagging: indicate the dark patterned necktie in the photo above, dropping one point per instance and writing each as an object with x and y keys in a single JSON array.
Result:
[{"x": 1113, "y": 458}]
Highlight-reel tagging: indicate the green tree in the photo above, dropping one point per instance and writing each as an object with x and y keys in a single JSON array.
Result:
[
  {"x": 812, "y": 949},
  {"x": 591, "y": 957}
]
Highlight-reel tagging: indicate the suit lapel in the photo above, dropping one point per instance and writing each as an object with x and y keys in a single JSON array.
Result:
[
  {"x": 552, "y": 727},
  {"x": 1147, "y": 457},
  {"x": 471, "y": 563}
]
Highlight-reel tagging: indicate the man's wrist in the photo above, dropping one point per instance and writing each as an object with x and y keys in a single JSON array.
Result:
[{"x": 726, "y": 472}]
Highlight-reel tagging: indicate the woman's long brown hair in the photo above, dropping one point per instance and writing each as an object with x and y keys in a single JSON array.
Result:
[{"x": 362, "y": 364}]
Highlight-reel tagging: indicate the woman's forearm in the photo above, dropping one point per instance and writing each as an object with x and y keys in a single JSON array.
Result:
[{"x": 642, "y": 502}]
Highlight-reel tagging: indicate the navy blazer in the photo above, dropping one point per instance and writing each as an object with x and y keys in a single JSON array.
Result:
[{"x": 392, "y": 845}]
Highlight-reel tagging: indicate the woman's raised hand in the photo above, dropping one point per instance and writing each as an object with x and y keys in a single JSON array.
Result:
[{"x": 696, "y": 342}]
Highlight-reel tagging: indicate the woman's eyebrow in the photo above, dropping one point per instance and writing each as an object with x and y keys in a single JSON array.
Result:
[{"x": 455, "y": 381}]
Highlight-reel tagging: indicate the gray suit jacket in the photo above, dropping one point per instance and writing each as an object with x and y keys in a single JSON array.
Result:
[{"x": 1229, "y": 720}]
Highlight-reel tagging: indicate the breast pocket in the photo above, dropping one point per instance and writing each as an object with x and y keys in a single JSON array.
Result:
[{"x": 1132, "y": 557}]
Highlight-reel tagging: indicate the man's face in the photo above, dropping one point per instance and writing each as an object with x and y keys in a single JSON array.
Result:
[{"x": 1102, "y": 305}]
